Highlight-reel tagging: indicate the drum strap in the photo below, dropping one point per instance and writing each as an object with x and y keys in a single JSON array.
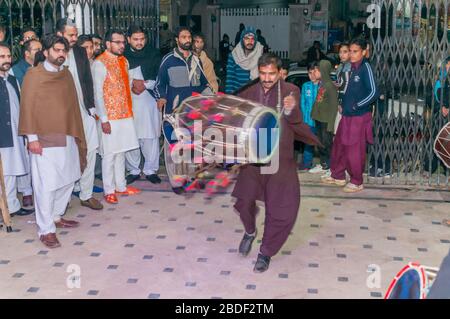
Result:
[{"x": 279, "y": 97}]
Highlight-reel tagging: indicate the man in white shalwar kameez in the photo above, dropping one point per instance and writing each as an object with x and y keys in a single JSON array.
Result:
[
  {"x": 78, "y": 64},
  {"x": 12, "y": 148},
  {"x": 50, "y": 118},
  {"x": 113, "y": 102},
  {"x": 144, "y": 63}
]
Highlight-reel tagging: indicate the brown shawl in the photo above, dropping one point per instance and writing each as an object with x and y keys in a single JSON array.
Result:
[{"x": 49, "y": 108}]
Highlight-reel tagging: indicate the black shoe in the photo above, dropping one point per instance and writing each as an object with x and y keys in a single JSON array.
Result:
[
  {"x": 262, "y": 263},
  {"x": 178, "y": 190},
  {"x": 132, "y": 178},
  {"x": 153, "y": 179},
  {"x": 246, "y": 244},
  {"x": 22, "y": 212}
]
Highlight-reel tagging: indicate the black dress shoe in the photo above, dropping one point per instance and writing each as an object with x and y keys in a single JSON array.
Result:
[
  {"x": 22, "y": 212},
  {"x": 246, "y": 244},
  {"x": 262, "y": 263},
  {"x": 153, "y": 179},
  {"x": 132, "y": 178},
  {"x": 178, "y": 190}
]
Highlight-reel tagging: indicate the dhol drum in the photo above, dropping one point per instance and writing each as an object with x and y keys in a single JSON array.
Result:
[
  {"x": 442, "y": 145},
  {"x": 207, "y": 134},
  {"x": 412, "y": 282}
]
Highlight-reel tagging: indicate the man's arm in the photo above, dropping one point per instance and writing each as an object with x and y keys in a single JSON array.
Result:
[
  {"x": 231, "y": 75},
  {"x": 162, "y": 81},
  {"x": 99, "y": 76},
  {"x": 370, "y": 84}
]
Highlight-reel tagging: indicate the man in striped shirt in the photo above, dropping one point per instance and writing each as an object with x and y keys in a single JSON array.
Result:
[{"x": 242, "y": 64}]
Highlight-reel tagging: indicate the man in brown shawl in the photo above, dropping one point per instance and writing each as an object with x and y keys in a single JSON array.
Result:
[
  {"x": 50, "y": 119},
  {"x": 280, "y": 191}
]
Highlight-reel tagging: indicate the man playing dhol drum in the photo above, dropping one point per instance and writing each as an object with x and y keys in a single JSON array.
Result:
[{"x": 280, "y": 190}]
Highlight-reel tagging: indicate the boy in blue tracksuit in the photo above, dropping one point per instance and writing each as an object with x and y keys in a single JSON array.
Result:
[
  {"x": 355, "y": 128},
  {"x": 308, "y": 98}
]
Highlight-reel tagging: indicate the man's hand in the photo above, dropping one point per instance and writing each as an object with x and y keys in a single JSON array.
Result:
[
  {"x": 340, "y": 109},
  {"x": 161, "y": 103},
  {"x": 138, "y": 86},
  {"x": 106, "y": 128},
  {"x": 289, "y": 102},
  {"x": 35, "y": 147},
  {"x": 444, "y": 111}
]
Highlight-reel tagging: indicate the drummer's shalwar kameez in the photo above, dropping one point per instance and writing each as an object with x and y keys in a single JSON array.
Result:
[{"x": 279, "y": 191}]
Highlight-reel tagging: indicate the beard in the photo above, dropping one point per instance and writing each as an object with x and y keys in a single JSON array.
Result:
[
  {"x": 186, "y": 46},
  {"x": 118, "y": 52},
  {"x": 5, "y": 67},
  {"x": 58, "y": 61},
  {"x": 138, "y": 47}
]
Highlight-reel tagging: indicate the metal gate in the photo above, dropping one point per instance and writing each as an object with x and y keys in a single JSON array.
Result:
[
  {"x": 91, "y": 16},
  {"x": 408, "y": 54},
  {"x": 273, "y": 22}
]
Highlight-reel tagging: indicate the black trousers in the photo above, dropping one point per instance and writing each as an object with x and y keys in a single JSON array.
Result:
[{"x": 327, "y": 140}]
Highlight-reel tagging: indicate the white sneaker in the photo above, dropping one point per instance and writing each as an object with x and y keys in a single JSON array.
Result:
[
  {"x": 352, "y": 188},
  {"x": 316, "y": 169},
  {"x": 327, "y": 173}
]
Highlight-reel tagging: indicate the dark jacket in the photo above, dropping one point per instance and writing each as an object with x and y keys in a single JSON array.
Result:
[
  {"x": 19, "y": 69},
  {"x": 326, "y": 107},
  {"x": 173, "y": 82},
  {"x": 361, "y": 90},
  {"x": 85, "y": 76},
  {"x": 6, "y": 138}
]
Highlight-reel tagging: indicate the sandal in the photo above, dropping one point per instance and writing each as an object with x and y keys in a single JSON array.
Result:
[
  {"x": 129, "y": 191},
  {"x": 111, "y": 199}
]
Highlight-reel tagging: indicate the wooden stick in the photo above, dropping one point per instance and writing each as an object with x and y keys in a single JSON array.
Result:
[{"x": 3, "y": 202}]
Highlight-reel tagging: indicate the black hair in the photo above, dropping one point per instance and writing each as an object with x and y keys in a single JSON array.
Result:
[
  {"x": 4, "y": 45},
  {"x": 312, "y": 65},
  {"x": 27, "y": 46},
  {"x": 95, "y": 35},
  {"x": 25, "y": 30},
  {"x": 285, "y": 65},
  {"x": 225, "y": 35},
  {"x": 199, "y": 35},
  {"x": 62, "y": 23},
  {"x": 84, "y": 38},
  {"x": 181, "y": 29},
  {"x": 344, "y": 44},
  {"x": 361, "y": 42},
  {"x": 135, "y": 29},
  {"x": 110, "y": 32},
  {"x": 47, "y": 43},
  {"x": 268, "y": 59},
  {"x": 2, "y": 28}
]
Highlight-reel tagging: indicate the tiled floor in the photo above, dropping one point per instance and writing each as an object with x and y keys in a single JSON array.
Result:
[{"x": 160, "y": 245}]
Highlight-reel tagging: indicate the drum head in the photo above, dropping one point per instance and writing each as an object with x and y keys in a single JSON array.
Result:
[
  {"x": 169, "y": 132},
  {"x": 178, "y": 173},
  {"x": 264, "y": 141},
  {"x": 442, "y": 145},
  {"x": 410, "y": 283}
]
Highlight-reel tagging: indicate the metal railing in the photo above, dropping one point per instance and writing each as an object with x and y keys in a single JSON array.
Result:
[
  {"x": 91, "y": 16},
  {"x": 408, "y": 55}
]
